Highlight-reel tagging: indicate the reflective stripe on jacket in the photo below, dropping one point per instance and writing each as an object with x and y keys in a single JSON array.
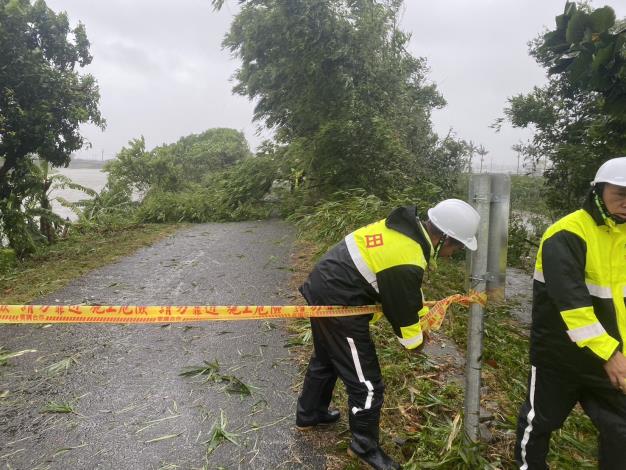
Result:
[
  {"x": 381, "y": 262},
  {"x": 579, "y": 314}
]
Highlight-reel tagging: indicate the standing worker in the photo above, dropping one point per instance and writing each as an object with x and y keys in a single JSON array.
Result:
[
  {"x": 579, "y": 326},
  {"x": 383, "y": 262}
]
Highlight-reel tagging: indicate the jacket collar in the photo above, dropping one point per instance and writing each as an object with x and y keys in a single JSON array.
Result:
[
  {"x": 404, "y": 220},
  {"x": 590, "y": 207}
]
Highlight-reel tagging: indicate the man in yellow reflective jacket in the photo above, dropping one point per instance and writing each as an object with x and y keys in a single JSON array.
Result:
[
  {"x": 383, "y": 262},
  {"x": 579, "y": 325}
]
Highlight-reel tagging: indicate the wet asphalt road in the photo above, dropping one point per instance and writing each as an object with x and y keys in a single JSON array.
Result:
[{"x": 131, "y": 408}]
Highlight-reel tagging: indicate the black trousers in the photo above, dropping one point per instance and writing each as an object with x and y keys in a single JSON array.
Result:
[
  {"x": 344, "y": 349},
  {"x": 551, "y": 397}
]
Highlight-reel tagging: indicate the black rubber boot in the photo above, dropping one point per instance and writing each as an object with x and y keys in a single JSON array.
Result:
[
  {"x": 375, "y": 458},
  {"x": 365, "y": 437},
  {"x": 323, "y": 418}
]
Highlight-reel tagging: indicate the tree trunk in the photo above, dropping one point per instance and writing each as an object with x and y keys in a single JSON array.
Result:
[
  {"x": 5, "y": 189},
  {"x": 45, "y": 226}
]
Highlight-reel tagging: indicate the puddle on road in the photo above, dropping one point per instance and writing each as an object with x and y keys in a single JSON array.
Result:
[{"x": 519, "y": 294}]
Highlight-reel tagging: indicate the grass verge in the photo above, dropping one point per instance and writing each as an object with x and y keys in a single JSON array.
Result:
[
  {"x": 421, "y": 422},
  {"x": 55, "y": 266},
  {"x": 505, "y": 371}
]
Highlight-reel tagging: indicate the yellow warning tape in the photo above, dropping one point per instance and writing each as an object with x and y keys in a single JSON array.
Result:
[
  {"x": 195, "y": 313},
  {"x": 437, "y": 313}
]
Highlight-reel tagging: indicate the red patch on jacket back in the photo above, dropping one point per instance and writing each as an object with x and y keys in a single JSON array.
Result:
[{"x": 372, "y": 241}]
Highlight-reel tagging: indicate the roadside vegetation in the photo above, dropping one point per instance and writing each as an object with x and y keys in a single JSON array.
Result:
[
  {"x": 529, "y": 218},
  {"x": 350, "y": 108},
  {"x": 53, "y": 267}
]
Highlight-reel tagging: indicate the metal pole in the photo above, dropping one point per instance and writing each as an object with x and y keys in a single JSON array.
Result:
[
  {"x": 480, "y": 198},
  {"x": 498, "y": 235}
]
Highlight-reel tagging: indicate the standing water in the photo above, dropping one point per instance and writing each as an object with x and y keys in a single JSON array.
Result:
[{"x": 92, "y": 178}]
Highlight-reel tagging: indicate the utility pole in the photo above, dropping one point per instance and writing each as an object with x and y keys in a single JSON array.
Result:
[{"x": 482, "y": 151}]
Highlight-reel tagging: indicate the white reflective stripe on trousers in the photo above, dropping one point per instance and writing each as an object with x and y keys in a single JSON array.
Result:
[
  {"x": 529, "y": 417},
  {"x": 359, "y": 374},
  {"x": 359, "y": 262},
  {"x": 538, "y": 276}
]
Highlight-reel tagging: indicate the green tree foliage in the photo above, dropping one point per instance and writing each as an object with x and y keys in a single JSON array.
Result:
[
  {"x": 43, "y": 100},
  {"x": 334, "y": 79},
  {"x": 210, "y": 176},
  {"x": 589, "y": 49},
  {"x": 138, "y": 169},
  {"x": 574, "y": 128},
  {"x": 201, "y": 154},
  {"x": 247, "y": 182},
  {"x": 171, "y": 167}
]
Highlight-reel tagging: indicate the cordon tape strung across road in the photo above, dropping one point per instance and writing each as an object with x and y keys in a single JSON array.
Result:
[{"x": 195, "y": 313}]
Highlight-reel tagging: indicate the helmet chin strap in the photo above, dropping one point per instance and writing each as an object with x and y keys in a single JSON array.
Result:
[
  {"x": 440, "y": 244},
  {"x": 603, "y": 210}
]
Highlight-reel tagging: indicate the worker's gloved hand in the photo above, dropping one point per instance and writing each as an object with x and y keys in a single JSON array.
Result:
[{"x": 615, "y": 368}]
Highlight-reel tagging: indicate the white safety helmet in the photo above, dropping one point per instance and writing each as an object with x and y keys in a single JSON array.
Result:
[
  {"x": 456, "y": 219},
  {"x": 612, "y": 171}
]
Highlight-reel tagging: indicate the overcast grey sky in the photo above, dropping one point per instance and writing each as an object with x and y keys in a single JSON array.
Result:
[{"x": 162, "y": 72}]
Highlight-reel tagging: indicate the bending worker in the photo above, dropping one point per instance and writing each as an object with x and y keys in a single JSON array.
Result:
[
  {"x": 383, "y": 262},
  {"x": 579, "y": 325}
]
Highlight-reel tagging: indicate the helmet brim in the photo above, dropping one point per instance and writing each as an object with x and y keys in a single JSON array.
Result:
[
  {"x": 472, "y": 244},
  {"x": 614, "y": 182}
]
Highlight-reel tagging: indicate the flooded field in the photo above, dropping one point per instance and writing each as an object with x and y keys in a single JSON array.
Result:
[{"x": 90, "y": 177}]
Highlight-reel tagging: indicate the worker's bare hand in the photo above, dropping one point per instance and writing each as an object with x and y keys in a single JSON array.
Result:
[{"x": 616, "y": 370}]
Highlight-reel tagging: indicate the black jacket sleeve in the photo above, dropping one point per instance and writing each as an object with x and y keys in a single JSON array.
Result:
[
  {"x": 401, "y": 295},
  {"x": 563, "y": 262}
]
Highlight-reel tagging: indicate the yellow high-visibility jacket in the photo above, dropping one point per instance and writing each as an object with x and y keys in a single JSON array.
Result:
[
  {"x": 579, "y": 314},
  {"x": 384, "y": 263}
]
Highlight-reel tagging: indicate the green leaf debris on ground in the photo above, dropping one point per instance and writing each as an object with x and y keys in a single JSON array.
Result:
[
  {"x": 209, "y": 369},
  {"x": 54, "y": 407},
  {"x": 6, "y": 355},
  {"x": 62, "y": 366},
  {"x": 219, "y": 434},
  {"x": 212, "y": 371}
]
